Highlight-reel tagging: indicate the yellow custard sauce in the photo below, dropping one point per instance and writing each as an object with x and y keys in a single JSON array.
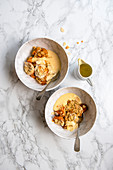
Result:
[
  {"x": 51, "y": 63},
  {"x": 62, "y": 100},
  {"x": 54, "y": 61}
]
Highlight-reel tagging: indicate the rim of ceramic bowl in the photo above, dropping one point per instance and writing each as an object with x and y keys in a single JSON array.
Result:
[
  {"x": 48, "y": 89},
  {"x": 69, "y": 138}
]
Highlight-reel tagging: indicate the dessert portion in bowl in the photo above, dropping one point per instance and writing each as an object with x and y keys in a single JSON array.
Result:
[
  {"x": 42, "y": 65},
  {"x": 48, "y": 50},
  {"x": 68, "y": 111},
  {"x": 78, "y": 97}
]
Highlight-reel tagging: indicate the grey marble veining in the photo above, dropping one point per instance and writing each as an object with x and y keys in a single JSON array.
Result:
[{"x": 26, "y": 143}]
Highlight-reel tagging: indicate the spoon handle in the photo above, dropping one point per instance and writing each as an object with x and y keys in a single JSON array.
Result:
[
  {"x": 41, "y": 94},
  {"x": 89, "y": 81},
  {"x": 77, "y": 143}
]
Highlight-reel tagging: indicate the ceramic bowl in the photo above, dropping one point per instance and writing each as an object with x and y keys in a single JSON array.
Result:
[
  {"x": 24, "y": 52},
  {"x": 88, "y": 118}
]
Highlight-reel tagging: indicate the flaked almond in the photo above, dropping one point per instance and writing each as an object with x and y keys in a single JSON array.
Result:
[
  {"x": 64, "y": 43},
  {"x": 62, "y": 29},
  {"x": 69, "y": 53}
]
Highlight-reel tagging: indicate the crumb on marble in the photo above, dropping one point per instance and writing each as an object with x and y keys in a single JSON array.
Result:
[
  {"x": 82, "y": 41},
  {"x": 69, "y": 53},
  {"x": 67, "y": 47},
  {"x": 64, "y": 43},
  {"x": 77, "y": 42},
  {"x": 62, "y": 29}
]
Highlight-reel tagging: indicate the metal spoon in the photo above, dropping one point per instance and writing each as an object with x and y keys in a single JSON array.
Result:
[
  {"x": 41, "y": 94},
  {"x": 77, "y": 140}
]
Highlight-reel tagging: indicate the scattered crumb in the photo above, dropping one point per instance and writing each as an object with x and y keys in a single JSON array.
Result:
[
  {"x": 62, "y": 29},
  {"x": 64, "y": 43},
  {"x": 77, "y": 42},
  {"x": 69, "y": 53},
  {"x": 82, "y": 41},
  {"x": 67, "y": 47}
]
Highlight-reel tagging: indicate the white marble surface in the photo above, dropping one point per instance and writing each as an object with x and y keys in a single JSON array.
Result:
[{"x": 26, "y": 143}]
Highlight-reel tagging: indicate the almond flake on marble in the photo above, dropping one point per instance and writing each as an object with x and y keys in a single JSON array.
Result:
[{"x": 62, "y": 29}]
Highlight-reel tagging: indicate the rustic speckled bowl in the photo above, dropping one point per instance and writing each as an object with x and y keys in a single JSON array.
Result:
[
  {"x": 88, "y": 118},
  {"x": 24, "y": 52}
]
